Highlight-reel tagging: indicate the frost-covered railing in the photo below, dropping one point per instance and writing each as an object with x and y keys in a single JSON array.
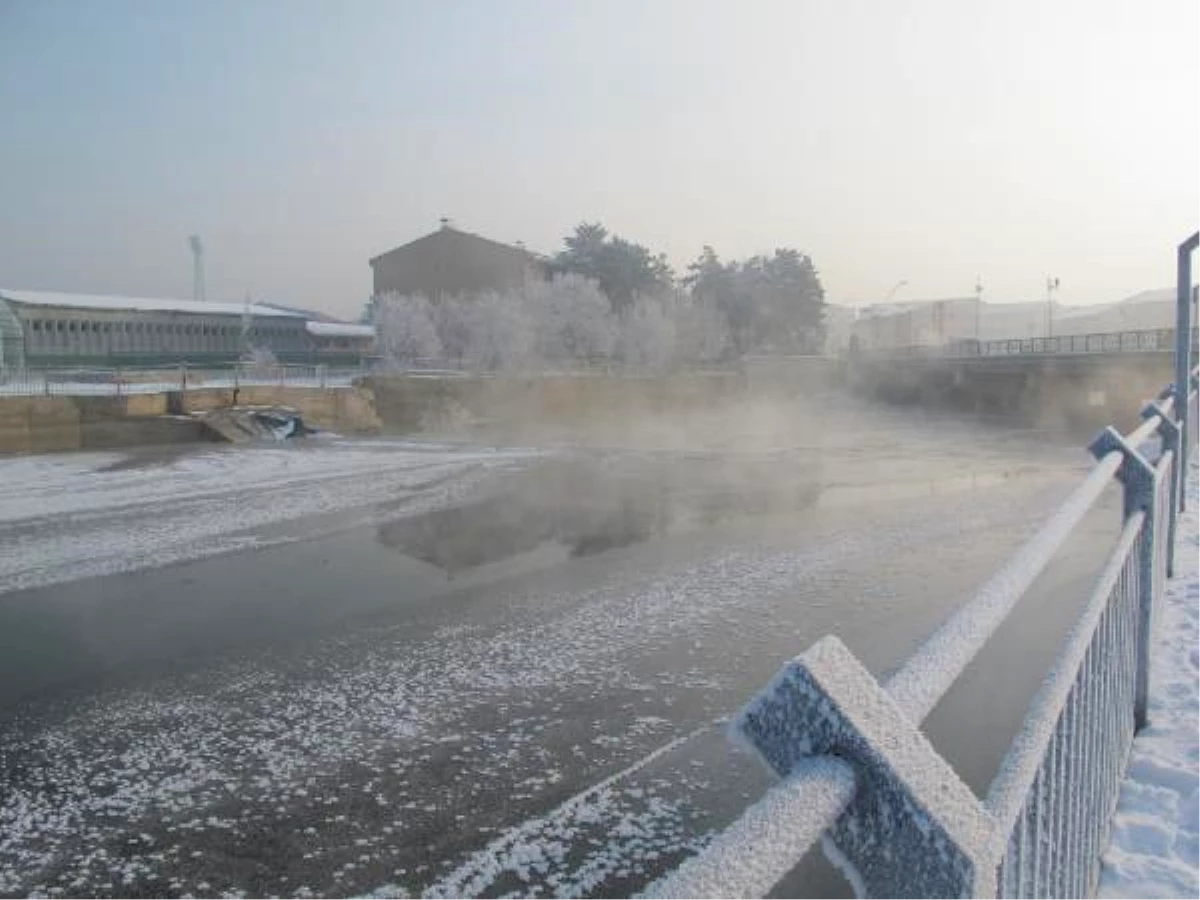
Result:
[
  {"x": 1157, "y": 340},
  {"x": 858, "y": 774},
  {"x": 130, "y": 380}
]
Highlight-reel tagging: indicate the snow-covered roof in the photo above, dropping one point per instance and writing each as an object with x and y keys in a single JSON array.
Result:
[
  {"x": 339, "y": 329},
  {"x": 141, "y": 304}
]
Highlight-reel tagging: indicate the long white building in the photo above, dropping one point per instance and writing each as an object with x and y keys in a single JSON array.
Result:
[{"x": 40, "y": 328}]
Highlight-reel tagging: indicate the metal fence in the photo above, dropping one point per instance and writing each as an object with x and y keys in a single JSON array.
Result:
[
  {"x": 857, "y": 773},
  {"x": 124, "y": 381},
  {"x": 1158, "y": 340}
]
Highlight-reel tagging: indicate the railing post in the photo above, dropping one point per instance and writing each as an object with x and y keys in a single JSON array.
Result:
[
  {"x": 913, "y": 829},
  {"x": 1140, "y": 481},
  {"x": 1183, "y": 352},
  {"x": 1172, "y": 440}
]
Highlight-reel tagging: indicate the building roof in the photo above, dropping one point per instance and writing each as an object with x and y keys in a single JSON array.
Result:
[
  {"x": 447, "y": 232},
  {"x": 141, "y": 304},
  {"x": 339, "y": 329},
  {"x": 312, "y": 315}
]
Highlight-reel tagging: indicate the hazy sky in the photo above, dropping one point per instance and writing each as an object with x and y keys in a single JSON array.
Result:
[{"x": 927, "y": 141}]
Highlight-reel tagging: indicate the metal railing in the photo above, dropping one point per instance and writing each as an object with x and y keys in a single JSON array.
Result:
[
  {"x": 857, "y": 772},
  {"x": 129, "y": 380},
  {"x": 1157, "y": 340}
]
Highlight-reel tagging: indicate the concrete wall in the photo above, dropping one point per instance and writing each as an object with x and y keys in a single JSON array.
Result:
[
  {"x": 1084, "y": 391},
  {"x": 346, "y": 410},
  {"x": 794, "y": 375},
  {"x": 46, "y": 424},
  {"x": 410, "y": 403}
]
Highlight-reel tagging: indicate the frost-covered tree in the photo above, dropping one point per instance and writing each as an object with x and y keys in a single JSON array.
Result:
[
  {"x": 622, "y": 269},
  {"x": 405, "y": 329},
  {"x": 564, "y": 322},
  {"x": 702, "y": 335},
  {"x": 647, "y": 333},
  {"x": 572, "y": 318},
  {"x": 500, "y": 334},
  {"x": 771, "y": 303}
]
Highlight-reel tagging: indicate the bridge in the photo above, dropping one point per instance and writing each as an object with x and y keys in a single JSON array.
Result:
[
  {"x": 856, "y": 771},
  {"x": 1086, "y": 379}
]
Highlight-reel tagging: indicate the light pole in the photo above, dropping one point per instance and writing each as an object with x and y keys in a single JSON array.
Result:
[
  {"x": 886, "y": 300},
  {"x": 978, "y": 304},
  {"x": 1051, "y": 287}
]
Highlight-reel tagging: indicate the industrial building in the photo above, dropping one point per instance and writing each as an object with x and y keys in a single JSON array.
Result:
[
  {"x": 52, "y": 329},
  {"x": 449, "y": 261},
  {"x": 928, "y": 323}
]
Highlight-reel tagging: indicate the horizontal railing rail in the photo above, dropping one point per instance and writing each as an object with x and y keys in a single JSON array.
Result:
[
  {"x": 141, "y": 380},
  {"x": 1154, "y": 340},
  {"x": 857, "y": 773}
]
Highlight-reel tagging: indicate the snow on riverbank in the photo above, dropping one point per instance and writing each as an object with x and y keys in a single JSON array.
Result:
[
  {"x": 69, "y": 516},
  {"x": 1153, "y": 852}
]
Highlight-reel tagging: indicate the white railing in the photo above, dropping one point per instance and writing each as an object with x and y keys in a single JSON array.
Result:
[
  {"x": 857, "y": 773},
  {"x": 124, "y": 381},
  {"x": 1156, "y": 340}
]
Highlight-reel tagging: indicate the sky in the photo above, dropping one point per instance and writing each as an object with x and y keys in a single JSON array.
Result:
[{"x": 930, "y": 142}]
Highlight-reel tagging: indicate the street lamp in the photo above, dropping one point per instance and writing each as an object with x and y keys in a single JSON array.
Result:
[
  {"x": 978, "y": 304},
  {"x": 892, "y": 293},
  {"x": 1051, "y": 287}
]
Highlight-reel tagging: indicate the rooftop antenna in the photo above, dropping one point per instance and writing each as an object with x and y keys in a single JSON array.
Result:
[
  {"x": 445, "y": 221},
  {"x": 197, "y": 267}
]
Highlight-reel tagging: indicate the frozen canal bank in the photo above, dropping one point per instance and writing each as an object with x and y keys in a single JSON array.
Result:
[{"x": 333, "y": 707}]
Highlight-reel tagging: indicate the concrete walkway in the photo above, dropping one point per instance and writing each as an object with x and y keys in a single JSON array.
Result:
[{"x": 1153, "y": 851}]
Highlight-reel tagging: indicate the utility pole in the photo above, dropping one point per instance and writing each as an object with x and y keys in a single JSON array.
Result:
[
  {"x": 197, "y": 267},
  {"x": 1051, "y": 287},
  {"x": 978, "y": 305}
]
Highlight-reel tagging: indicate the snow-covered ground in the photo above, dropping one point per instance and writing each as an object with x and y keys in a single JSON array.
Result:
[
  {"x": 1153, "y": 852},
  {"x": 69, "y": 516}
]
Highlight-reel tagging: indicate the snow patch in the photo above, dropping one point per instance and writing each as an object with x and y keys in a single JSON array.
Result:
[{"x": 1153, "y": 849}]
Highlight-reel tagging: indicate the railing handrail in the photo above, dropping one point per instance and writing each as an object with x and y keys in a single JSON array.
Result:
[
  {"x": 932, "y": 670},
  {"x": 784, "y": 824},
  {"x": 94, "y": 380},
  {"x": 1009, "y": 787},
  {"x": 793, "y": 814},
  {"x": 1129, "y": 340}
]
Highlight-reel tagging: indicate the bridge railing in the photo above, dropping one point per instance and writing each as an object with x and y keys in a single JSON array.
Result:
[
  {"x": 1157, "y": 340},
  {"x": 857, "y": 772},
  {"x": 122, "y": 381}
]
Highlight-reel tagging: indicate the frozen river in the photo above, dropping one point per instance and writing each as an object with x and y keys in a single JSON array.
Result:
[{"x": 474, "y": 667}]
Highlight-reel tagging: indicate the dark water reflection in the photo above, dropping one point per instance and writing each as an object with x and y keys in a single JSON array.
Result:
[{"x": 592, "y": 504}]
